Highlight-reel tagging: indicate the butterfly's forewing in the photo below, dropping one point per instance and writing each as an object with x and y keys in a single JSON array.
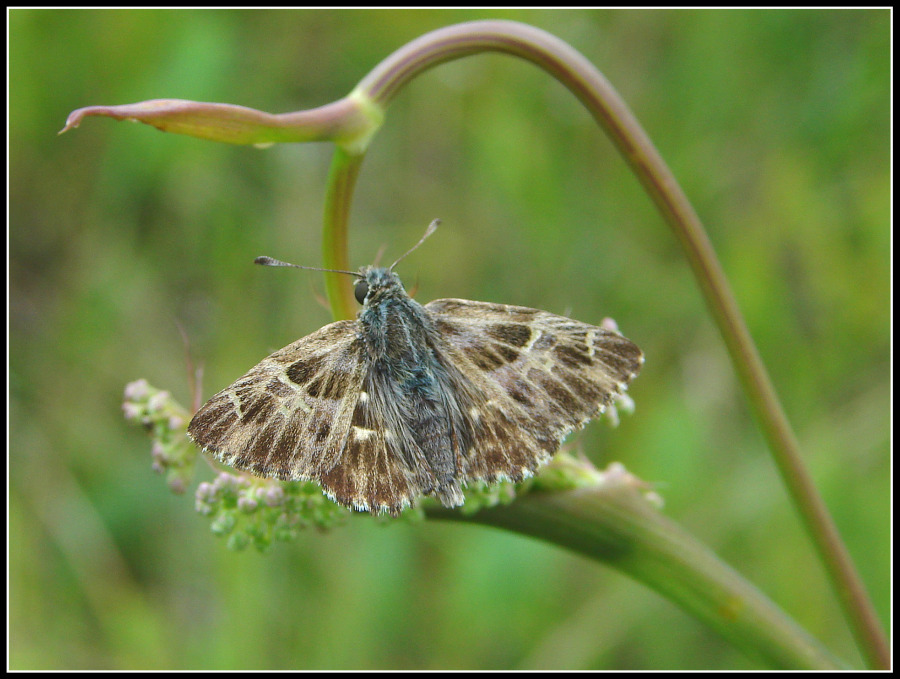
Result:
[
  {"x": 303, "y": 414},
  {"x": 536, "y": 377},
  {"x": 288, "y": 416}
]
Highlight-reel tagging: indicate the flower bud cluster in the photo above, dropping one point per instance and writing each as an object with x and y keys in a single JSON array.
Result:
[{"x": 166, "y": 422}]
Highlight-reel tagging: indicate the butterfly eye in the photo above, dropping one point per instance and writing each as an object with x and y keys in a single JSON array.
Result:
[{"x": 362, "y": 289}]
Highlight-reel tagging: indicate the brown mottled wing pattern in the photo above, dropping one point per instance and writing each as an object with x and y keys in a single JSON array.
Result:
[
  {"x": 533, "y": 376},
  {"x": 301, "y": 414}
]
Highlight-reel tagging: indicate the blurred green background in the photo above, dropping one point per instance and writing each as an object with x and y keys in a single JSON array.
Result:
[{"x": 776, "y": 123}]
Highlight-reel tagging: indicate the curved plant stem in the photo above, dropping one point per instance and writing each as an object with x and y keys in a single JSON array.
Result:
[
  {"x": 604, "y": 103},
  {"x": 342, "y": 178},
  {"x": 614, "y": 523}
]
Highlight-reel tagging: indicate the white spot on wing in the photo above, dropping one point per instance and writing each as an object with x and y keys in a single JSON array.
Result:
[
  {"x": 363, "y": 434},
  {"x": 589, "y": 340}
]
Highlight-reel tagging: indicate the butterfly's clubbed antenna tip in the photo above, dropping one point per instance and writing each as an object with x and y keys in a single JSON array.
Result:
[
  {"x": 435, "y": 223},
  {"x": 268, "y": 261}
]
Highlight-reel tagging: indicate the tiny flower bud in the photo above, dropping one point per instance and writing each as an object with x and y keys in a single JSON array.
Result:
[
  {"x": 157, "y": 401},
  {"x": 624, "y": 402},
  {"x": 132, "y": 411},
  {"x": 224, "y": 481},
  {"x": 274, "y": 496},
  {"x": 223, "y": 524},
  {"x": 205, "y": 492},
  {"x": 176, "y": 484},
  {"x": 247, "y": 504},
  {"x": 609, "y": 324},
  {"x": 137, "y": 390},
  {"x": 158, "y": 451}
]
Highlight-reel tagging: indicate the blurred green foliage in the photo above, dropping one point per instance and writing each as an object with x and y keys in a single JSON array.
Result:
[{"x": 777, "y": 124}]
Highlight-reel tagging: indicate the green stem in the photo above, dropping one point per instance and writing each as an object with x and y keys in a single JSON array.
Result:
[
  {"x": 342, "y": 178},
  {"x": 610, "y": 111},
  {"x": 615, "y": 524}
]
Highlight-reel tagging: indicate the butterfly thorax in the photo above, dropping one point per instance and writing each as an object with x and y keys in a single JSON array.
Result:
[{"x": 393, "y": 326}]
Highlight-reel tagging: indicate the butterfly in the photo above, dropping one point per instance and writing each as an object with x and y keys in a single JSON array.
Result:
[{"x": 411, "y": 400}]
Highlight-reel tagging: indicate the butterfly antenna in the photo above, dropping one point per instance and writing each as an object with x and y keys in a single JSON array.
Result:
[
  {"x": 269, "y": 261},
  {"x": 430, "y": 230}
]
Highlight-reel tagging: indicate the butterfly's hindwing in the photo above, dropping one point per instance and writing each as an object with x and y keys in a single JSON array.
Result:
[{"x": 540, "y": 376}]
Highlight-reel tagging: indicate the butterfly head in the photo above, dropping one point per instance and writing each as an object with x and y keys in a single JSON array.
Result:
[{"x": 376, "y": 283}]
